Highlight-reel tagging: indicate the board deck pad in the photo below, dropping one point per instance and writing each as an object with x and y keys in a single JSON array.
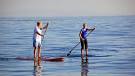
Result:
[{"x": 51, "y": 59}]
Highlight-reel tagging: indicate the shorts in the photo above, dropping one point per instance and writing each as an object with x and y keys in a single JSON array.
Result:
[
  {"x": 84, "y": 44},
  {"x": 36, "y": 43}
]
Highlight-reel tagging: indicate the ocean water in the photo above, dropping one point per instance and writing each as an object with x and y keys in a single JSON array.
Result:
[{"x": 111, "y": 46}]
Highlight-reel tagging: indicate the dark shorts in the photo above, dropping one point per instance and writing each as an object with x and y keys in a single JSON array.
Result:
[{"x": 84, "y": 44}]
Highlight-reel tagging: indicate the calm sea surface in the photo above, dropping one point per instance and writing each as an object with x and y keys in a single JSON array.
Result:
[{"x": 111, "y": 46}]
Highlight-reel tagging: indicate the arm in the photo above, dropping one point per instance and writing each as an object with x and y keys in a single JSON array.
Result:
[
  {"x": 91, "y": 29},
  {"x": 39, "y": 33},
  {"x": 80, "y": 35}
]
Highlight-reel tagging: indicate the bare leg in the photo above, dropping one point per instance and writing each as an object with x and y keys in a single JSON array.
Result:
[
  {"x": 86, "y": 49},
  {"x": 34, "y": 56},
  {"x": 82, "y": 49},
  {"x": 86, "y": 54},
  {"x": 39, "y": 57},
  {"x": 86, "y": 59},
  {"x": 82, "y": 54}
]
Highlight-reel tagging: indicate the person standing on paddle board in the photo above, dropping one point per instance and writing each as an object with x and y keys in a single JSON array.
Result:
[
  {"x": 84, "y": 44},
  {"x": 37, "y": 39}
]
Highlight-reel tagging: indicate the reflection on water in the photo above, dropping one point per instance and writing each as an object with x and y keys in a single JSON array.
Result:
[
  {"x": 37, "y": 71},
  {"x": 84, "y": 67}
]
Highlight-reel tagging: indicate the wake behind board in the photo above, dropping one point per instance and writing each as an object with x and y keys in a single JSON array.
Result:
[{"x": 51, "y": 59}]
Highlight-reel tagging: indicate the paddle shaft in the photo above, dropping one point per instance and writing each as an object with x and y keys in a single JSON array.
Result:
[
  {"x": 78, "y": 44},
  {"x": 45, "y": 31}
]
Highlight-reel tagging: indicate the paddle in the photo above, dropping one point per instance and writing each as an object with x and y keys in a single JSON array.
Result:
[
  {"x": 78, "y": 43},
  {"x": 45, "y": 30}
]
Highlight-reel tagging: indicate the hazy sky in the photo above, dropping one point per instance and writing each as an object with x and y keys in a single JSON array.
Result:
[{"x": 66, "y": 7}]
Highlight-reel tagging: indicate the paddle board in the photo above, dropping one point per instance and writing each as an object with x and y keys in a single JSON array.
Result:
[{"x": 51, "y": 59}]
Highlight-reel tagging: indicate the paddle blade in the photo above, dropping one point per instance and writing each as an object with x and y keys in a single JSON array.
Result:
[{"x": 68, "y": 54}]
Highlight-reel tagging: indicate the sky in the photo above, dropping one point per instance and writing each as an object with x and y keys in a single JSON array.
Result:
[{"x": 66, "y": 7}]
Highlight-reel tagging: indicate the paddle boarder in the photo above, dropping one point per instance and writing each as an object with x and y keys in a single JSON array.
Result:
[
  {"x": 83, "y": 34},
  {"x": 37, "y": 39}
]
